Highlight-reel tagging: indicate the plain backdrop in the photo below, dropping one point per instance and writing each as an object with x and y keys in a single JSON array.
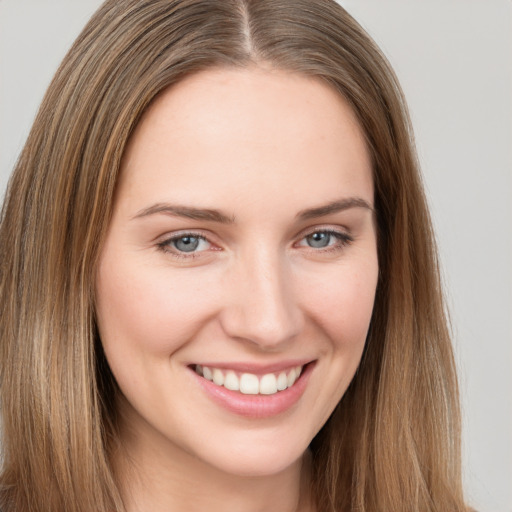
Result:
[{"x": 454, "y": 60}]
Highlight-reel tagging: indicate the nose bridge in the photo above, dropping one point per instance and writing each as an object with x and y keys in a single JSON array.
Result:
[{"x": 262, "y": 307}]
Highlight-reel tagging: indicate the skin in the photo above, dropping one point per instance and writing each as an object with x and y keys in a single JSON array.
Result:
[{"x": 261, "y": 146}]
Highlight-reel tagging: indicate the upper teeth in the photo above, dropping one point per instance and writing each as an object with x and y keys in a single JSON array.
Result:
[{"x": 248, "y": 383}]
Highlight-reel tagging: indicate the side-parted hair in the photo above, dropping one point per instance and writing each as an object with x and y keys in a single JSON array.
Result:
[{"x": 393, "y": 441}]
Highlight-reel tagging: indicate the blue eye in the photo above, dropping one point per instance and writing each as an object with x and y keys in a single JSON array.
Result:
[
  {"x": 319, "y": 240},
  {"x": 185, "y": 244},
  {"x": 325, "y": 239}
]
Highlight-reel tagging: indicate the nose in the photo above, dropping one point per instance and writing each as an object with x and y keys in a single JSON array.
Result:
[{"x": 261, "y": 306}]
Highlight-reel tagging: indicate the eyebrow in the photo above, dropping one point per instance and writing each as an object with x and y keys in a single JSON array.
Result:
[
  {"x": 212, "y": 215},
  {"x": 334, "y": 207},
  {"x": 187, "y": 212}
]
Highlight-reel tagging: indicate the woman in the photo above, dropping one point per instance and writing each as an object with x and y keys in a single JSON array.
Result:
[{"x": 219, "y": 278}]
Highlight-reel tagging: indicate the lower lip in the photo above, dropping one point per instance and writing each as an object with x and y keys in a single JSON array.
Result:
[{"x": 256, "y": 406}]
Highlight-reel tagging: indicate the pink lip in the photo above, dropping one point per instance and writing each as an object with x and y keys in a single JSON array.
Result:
[{"x": 256, "y": 406}]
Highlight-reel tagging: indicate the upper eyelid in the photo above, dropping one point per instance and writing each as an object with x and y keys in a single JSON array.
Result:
[
  {"x": 175, "y": 235},
  {"x": 182, "y": 234},
  {"x": 340, "y": 233},
  {"x": 324, "y": 229}
]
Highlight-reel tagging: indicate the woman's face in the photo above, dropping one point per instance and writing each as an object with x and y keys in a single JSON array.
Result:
[{"x": 242, "y": 249}]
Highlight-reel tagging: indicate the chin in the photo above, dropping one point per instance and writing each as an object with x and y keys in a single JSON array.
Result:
[
  {"x": 256, "y": 465},
  {"x": 256, "y": 457}
]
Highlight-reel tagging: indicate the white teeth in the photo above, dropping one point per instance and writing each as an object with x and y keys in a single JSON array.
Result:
[
  {"x": 282, "y": 381},
  {"x": 218, "y": 377},
  {"x": 248, "y": 383},
  {"x": 291, "y": 377},
  {"x": 268, "y": 384},
  {"x": 231, "y": 381}
]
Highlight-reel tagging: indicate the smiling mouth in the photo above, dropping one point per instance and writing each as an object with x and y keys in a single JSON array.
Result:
[{"x": 249, "y": 383}]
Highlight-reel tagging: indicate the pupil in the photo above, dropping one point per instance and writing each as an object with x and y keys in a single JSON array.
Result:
[
  {"x": 318, "y": 240},
  {"x": 187, "y": 243}
]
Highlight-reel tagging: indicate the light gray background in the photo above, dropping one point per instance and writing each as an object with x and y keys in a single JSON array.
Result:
[{"x": 454, "y": 59}]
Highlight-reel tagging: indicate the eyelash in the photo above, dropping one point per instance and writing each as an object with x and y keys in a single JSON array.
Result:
[{"x": 343, "y": 240}]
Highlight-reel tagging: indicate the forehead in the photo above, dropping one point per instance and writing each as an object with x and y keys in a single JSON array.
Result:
[{"x": 247, "y": 128}]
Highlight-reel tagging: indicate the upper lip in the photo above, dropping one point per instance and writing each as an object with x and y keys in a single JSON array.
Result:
[{"x": 255, "y": 368}]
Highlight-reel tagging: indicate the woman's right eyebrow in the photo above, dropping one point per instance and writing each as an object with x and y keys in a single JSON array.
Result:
[{"x": 188, "y": 212}]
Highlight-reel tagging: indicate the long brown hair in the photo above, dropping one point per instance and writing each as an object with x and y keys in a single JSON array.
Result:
[{"x": 392, "y": 444}]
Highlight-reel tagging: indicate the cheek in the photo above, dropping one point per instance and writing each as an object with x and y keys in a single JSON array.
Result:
[
  {"x": 341, "y": 310},
  {"x": 343, "y": 305},
  {"x": 142, "y": 310}
]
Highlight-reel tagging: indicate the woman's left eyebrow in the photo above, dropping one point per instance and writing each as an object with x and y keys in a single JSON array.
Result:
[{"x": 334, "y": 207}]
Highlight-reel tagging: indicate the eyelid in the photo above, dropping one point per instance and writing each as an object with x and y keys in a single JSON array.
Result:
[{"x": 324, "y": 228}]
